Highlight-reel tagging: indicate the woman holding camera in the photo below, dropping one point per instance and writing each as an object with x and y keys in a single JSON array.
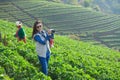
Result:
[{"x": 42, "y": 45}]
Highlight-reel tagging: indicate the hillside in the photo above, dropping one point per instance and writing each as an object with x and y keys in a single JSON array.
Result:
[
  {"x": 105, "y": 6},
  {"x": 70, "y": 59},
  {"x": 89, "y": 25},
  {"x": 108, "y": 6}
]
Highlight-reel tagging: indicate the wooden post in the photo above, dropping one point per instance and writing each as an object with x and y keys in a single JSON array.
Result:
[
  {"x": 0, "y": 37},
  {"x": 5, "y": 40}
]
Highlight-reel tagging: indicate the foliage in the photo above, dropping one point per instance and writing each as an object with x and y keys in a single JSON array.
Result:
[
  {"x": 70, "y": 59},
  {"x": 87, "y": 3},
  {"x": 66, "y": 19},
  {"x": 108, "y": 6},
  {"x": 13, "y": 61}
]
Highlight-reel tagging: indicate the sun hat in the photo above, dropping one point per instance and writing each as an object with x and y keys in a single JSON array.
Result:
[{"x": 18, "y": 23}]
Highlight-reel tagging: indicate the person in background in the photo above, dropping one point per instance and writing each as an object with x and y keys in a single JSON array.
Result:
[
  {"x": 51, "y": 32},
  {"x": 42, "y": 38},
  {"x": 20, "y": 33}
]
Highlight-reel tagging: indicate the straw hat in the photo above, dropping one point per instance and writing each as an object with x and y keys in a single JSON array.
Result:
[{"x": 18, "y": 23}]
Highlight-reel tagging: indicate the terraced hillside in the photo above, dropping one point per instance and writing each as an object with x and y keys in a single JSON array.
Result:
[
  {"x": 65, "y": 19},
  {"x": 70, "y": 59}
]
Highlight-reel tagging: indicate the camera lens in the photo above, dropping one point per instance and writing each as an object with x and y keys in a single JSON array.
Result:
[{"x": 53, "y": 31}]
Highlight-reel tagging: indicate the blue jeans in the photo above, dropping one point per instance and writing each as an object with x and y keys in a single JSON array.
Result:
[{"x": 44, "y": 62}]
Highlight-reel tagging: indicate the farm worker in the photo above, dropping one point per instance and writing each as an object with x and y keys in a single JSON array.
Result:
[
  {"x": 20, "y": 33},
  {"x": 41, "y": 37}
]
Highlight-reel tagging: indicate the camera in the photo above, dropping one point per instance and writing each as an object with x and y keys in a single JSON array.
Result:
[{"x": 52, "y": 30}]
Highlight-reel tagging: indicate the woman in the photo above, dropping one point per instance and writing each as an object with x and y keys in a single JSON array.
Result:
[{"x": 42, "y": 45}]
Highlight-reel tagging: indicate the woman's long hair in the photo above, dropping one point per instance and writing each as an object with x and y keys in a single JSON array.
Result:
[{"x": 34, "y": 27}]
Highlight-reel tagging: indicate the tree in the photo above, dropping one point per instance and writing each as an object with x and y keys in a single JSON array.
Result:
[
  {"x": 97, "y": 8},
  {"x": 87, "y": 3},
  {"x": 73, "y": 1},
  {"x": 55, "y": 0}
]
